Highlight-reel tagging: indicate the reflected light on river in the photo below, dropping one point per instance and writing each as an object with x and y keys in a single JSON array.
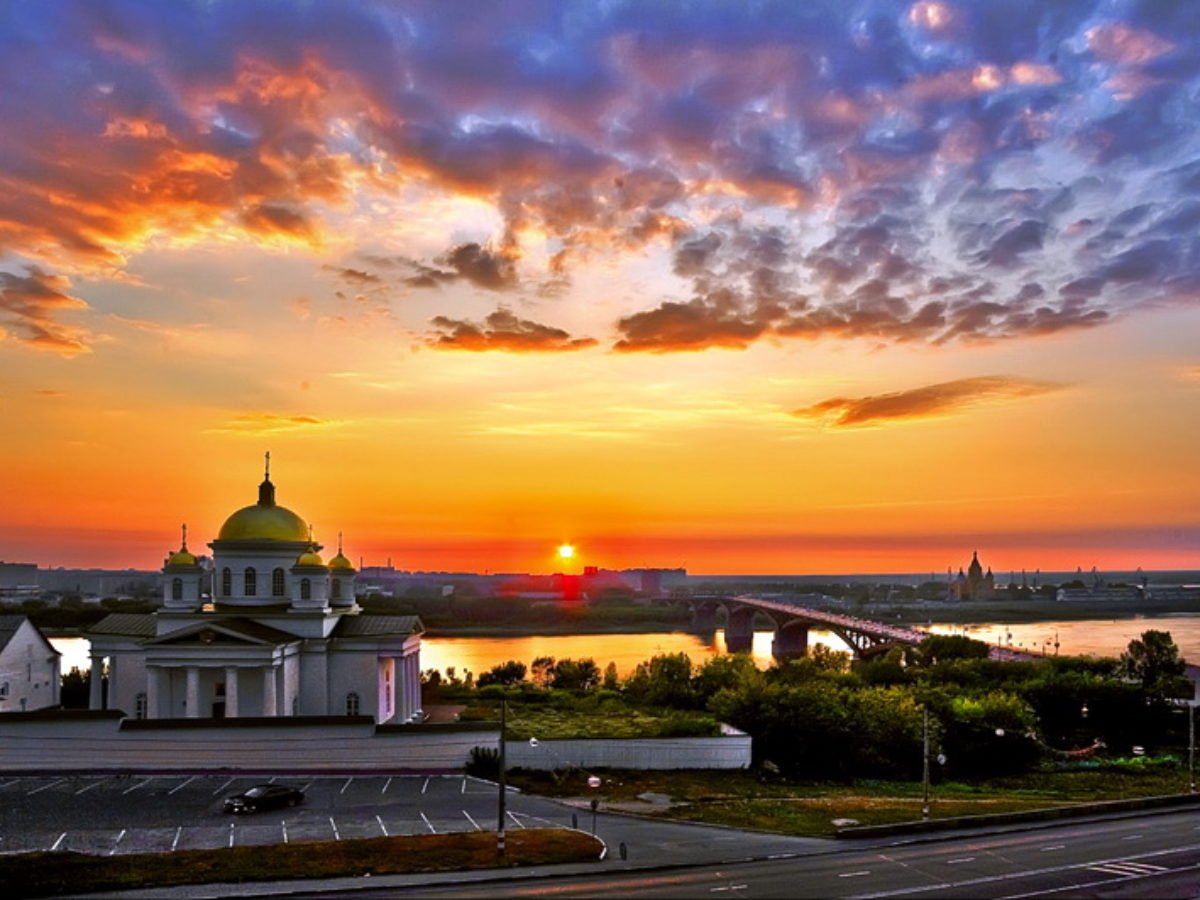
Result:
[{"x": 1107, "y": 637}]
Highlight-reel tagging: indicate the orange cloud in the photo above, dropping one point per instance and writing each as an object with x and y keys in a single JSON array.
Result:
[
  {"x": 32, "y": 303},
  {"x": 923, "y": 402},
  {"x": 268, "y": 423},
  {"x": 502, "y": 330}
]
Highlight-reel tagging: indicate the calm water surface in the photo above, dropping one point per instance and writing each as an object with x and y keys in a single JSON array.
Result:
[{"x": 1105, "y": 637}]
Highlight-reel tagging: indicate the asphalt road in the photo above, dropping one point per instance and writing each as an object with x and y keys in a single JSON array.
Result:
[{"x": 1151, "y": 856}]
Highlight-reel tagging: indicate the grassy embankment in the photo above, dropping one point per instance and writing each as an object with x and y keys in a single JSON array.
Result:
[
  {"x": 48, "y": 874},
  {"x": 745, "y": 800}
]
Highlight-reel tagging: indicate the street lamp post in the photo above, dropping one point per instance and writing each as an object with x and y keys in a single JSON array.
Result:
[
  {"x": 1192, "y": 747},
  {"x": 503, "y": 788},
  {"x": 925, "y": 762}
]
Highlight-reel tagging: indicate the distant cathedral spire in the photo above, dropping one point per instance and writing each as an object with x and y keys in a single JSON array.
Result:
[
  {"x": 266, "y": 490},
  {"x": 183, "y": 542}
]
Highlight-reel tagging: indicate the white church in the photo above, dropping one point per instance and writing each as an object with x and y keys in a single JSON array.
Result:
[{"x": 281, "y": 636}]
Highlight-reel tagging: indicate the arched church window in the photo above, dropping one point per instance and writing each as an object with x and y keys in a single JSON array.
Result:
[
  {"x": 278, "y": 585},
  {"x": 251, "y": 582},
  {"x": 176, "y": 588},
  {"x": 305, "y": 589},
  {"x": 352, "y": 704},
  {"x": 226, "y": 582},
  {"x": 337, "y": 589}
]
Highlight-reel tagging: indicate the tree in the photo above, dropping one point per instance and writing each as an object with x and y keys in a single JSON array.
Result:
[
  {"x": 611, "y": 680},
  {"x": 938, "y": 648},
  {"x": 663, "y": 680},
  {"x": 506, "y": 673},
  {"x": 543, "y": 670},
  {"x": 1154, "y": 660},
  {"x": 575, "y": 675}
]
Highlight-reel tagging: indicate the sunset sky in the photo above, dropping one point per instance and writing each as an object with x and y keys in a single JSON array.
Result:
[{"x": 742, "y": 287}]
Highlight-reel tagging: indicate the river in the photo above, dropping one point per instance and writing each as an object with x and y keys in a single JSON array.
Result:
[{"x": 1106, "y": 637}]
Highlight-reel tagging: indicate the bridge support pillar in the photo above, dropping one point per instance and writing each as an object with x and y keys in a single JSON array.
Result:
[
  {"x": 739, "y": 632},
  {"x": 790, "y": 642},
  {"x": 704, "y": 618}
]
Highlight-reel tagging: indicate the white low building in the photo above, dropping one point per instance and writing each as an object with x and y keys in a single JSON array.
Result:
[
  {"x": 282, "y": 635},
  {"x": 29, "y": 667}
]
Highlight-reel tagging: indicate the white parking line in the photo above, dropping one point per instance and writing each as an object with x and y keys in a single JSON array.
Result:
[
  {"x": 304, "y": 789},
  {"x": 428, "y": 823},
  {"x": 854, "y": 874},
  {"x": 120, "y": 837},
  {"x": 58, "y": 843},
  {"x": 1055, "y": 847},
  {"x": 425, "y": 785},
  {"x": 181, "y": 785},
  {"x": 516, "y": 821},
  {"x": 140, "y": 784},
  {"x": 472, "y": 821},
  {"x": 387, "y": 784},
  {"x": 1131, "y": 837},
  {"x": 382, "y": 827},
  {"x": 230, "y": 834},
  {"x": 222, "y": 787},
  {"x": 962, "y": 859},
  {"x": 175, "y": 842},
  {"x": 333, "y": 825},
  {"x": 283, "y": 825},
  {"x": 271, "y": 780},
  {"x": 464, "y": 787},
  {"x": 46, "y": 787},
  {"x": 88, "y": 787},
  {"x": 8, "y": 783},
  {"x": 346, "y": 785}
]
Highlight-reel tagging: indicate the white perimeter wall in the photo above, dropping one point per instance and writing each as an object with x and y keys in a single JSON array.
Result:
[
  {"x": 40, "y": 745},
  {"x": 730, "y": 752}
]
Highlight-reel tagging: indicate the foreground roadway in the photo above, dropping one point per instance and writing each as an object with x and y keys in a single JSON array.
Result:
[{"x": 1147, "y": 856}]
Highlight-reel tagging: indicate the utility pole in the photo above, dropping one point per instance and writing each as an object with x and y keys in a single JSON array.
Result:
[
  {"x": 503, "y": 788},
  {"x": 925, "y": 762}
]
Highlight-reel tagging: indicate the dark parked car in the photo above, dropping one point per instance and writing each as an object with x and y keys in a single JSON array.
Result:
[{"x": 264, "y": 796}]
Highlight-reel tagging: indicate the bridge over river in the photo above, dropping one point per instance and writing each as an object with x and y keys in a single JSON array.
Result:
[{"x": 792, "y": 620}]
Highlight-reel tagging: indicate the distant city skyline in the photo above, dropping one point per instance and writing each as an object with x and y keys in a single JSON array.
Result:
[{"x": 743, "y": 288}]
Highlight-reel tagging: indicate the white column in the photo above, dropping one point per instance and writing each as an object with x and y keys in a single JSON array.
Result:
[
  {"x": 95, "y": 687},
  {"x": 153, "y": 690},
  {"x": 414, "y": 663},
  {"x": 231, "y": 692},
  {"x": 269, "y": 691},
  {"x": 193, "y": 692},
  {"x": 400, "y": 689}
]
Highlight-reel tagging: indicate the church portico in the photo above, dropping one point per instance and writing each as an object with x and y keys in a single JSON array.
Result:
[{"x": 280, "y": 635}]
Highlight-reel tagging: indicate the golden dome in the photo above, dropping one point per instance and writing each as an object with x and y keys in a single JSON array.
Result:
[
  {"x": 264, "y": 523},
  {"x": 340, "y": 563},
  {"x": 309, "y": 558},
  {"x": 181, "y": 558}
]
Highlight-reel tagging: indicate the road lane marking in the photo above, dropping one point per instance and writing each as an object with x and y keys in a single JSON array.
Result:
[
  {"x": 516, "y": 821},
  {"x": 1055, "y": 847},
  {"x": 472, "y": 821},
  {"x": 425, "y": 785},
  {"x": 346, "y": 785},
  {"x": 333, "y": 825},
  {"x": 1029, "y": 873},
  {"x": 283, "y": 826},
  {"x": 140, "y": 784},
  {"x": 182, "y": 785},
  {"x": 116, "y": 842},
  {"x": 58, "y": 843},
  {"x": 175, "y": 843},
  {"x": 464, "y": 787},
  {"x": 222, "y": 787},
  {"x": 428, "y": 823},
  {"x": 963, "y": 859},
  {"x": 1131, "y": 837},
  {"x": 45, "y": 787},
  {"x": 9, "y": 783},
  {"x": 728, "y": 887},
  {"x": 88, "y": 787},
  {"x": 386, "y": 785},
  {"x": 271, "y": 780},
  {"x": 304, "y": 789},
  {"x": 230, "y": 834},
  {"x": 854, "y": 874},
  {"x": 382, "y": 827}
]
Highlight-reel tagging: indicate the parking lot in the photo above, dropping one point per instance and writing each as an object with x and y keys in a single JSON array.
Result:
[{"x": 113, "y": 814}]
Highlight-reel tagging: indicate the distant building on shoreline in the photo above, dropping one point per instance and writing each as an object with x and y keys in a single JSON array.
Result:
[{"x": 974, "y": 584}]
